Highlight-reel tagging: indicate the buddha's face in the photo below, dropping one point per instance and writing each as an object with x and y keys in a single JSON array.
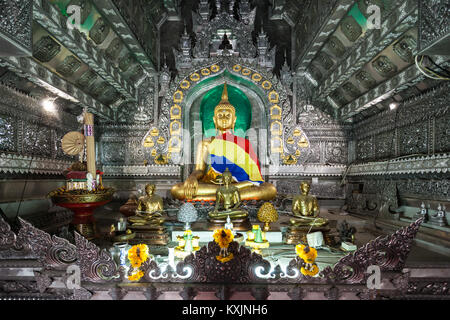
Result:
[
  {"x": 304, "y": 187},
  {"x": 149, "y": 189},
  {"x": 227, "y": 178},
  {"x": 224, "y": 119}
]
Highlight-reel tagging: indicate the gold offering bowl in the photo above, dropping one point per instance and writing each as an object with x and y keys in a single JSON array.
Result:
[
  {"x": 179, "y": 251},
  {"x": 124, "y": 237},
  {"x": 82, "y": 197},
  {"x": 257, "y": 246},
  {"x": 83, "y": 204}
]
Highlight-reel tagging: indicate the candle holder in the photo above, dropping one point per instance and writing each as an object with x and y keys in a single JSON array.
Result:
[{"x": 256, "y": 239}]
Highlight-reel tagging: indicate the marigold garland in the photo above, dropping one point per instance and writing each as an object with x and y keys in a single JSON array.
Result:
[
  {"x": 136, "y": 276},
  {"x": 310, "y": 272},
  {"x": 306, "y": 253},
  {"x": 225, "y": 259},
  {"x": 223, "y": 237},
  {"x": 137, "y": 255}
]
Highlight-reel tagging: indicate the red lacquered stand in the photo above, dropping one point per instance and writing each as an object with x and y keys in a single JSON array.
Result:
[
  {"x": 83, "y": 219},
  {"x": 83, "y": 206}
]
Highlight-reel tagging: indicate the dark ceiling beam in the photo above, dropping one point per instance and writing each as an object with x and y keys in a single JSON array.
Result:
[
  {"x": 332, "y": 18},
  {"x": 405, "y": 79},
  {"x": 29, "y": 69},
  {"x": 400, "y": 20},
  {"x": 55, "y": 23},
  {"x": 123, "y": 30}
]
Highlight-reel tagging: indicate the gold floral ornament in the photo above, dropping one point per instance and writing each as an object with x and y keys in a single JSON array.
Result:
[
  {"x": 137, "y": 255},
  {"x": 256, "y": 77},
  {"x": 215, "y": 68},
  {"x": 237, "y": 68},
  {"x": 162, "y": 159},
  {"x": 185, "y": 84},
  {"x": 267, "y": 214},
  {"x": 289, "y": 160},
  {"x": 267, "y": 85},
  {"x": 205, "y": 72},
  {"x": 223, "y": 237},
  {"x": 274, "y": 97},
  {"x": 308, "y": 255},
  {"x": 195, "y": 77},
  {"x": 246, "y": 72},
  {"x": 178, "y": 96}
]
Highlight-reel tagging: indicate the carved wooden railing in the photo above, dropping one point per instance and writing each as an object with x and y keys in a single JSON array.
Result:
[{"x": 200, "y": 269}]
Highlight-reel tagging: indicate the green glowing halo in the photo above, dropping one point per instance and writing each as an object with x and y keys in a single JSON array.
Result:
[{"x": 240, "y": 102}]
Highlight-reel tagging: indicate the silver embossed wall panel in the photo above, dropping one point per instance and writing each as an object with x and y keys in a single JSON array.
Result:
[
  {"x": 364, "y": 149},
  {"x": 323, "y": 189},
  {"x": 442, "y": 133},
  {"x": 384, "y": 143},
  {"x": 121, "y": 145},
  {"x": 27, "y": 130},
  {"x": 36, "y": 140},
  {"x": 16, "y": 27},
  {"x": 434, "y": 24},
  {"x": 413, "y": 139},
  {"x": 336, "y": 152},
  {"x": 418, "y": 127},
  {"x": 8, "y": 134}
]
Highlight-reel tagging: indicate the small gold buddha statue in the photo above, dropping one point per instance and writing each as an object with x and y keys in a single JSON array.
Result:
[
  {"x": 305, "y": 209},
  {"x": 228, "y": 201},
  {"x": 205, "y": 180},
  {"x": 149, "y": 209}
]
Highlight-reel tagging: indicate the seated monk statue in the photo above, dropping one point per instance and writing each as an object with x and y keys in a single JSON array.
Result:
[
  {"x": 305, "y": 209},
  {"x": 227, "y": 200},
  {"x": 216, "y": 154},
  {"x": 149, "y": 208}
]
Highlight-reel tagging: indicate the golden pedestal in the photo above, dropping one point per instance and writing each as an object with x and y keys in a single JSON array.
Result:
[
  {"x": 151, "y": 235},
  {"x": 257, "y": 246},
  {"x": 296, "y": 235},
  {"x": 239, "y": 224}
]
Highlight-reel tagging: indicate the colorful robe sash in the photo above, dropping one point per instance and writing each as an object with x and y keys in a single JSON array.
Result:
[{"x": 236, "y": 154}]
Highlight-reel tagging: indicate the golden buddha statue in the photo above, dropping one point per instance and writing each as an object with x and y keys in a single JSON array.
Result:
[
  {"x": 305, "y": 209},
  {"x": 228, "y": 201},
  {"x": 215, "y": 155},
  {"x": 149, "y": 209}
]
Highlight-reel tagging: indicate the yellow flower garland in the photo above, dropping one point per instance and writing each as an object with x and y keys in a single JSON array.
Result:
[
  {"x": 223, "y": 237},
  {"x": 225, "y": 259},
  {"x": 306, "y": 253},
  {"x": 314, "y": 270},
  {"x": 136, "y": 276},
  {"x": 137, "y": 255}
]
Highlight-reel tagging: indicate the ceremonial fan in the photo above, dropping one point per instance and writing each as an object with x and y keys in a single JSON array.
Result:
[{"x": 73, "y": 143}]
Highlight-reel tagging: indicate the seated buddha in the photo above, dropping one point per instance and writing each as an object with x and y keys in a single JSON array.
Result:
[
  {"x": 216, "y": 154},
  {"x": 149, "y": 209},
  {"x": 305, "y": 209},
  {"x": 228, "y": 200}
]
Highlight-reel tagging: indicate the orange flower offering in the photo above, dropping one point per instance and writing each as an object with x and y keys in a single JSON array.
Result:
[
  {"x": 223, "y": 237},
  {"x": 225, "y": 259},
  {"x": 306, "y": 253},
  {"x": 136, "y": 276},
  {"x": 310, "y": 272},
  {"x": 138, "y": 254}
]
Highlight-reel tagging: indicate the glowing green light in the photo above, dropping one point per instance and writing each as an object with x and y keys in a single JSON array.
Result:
[{"x": 240, "y": 102}]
